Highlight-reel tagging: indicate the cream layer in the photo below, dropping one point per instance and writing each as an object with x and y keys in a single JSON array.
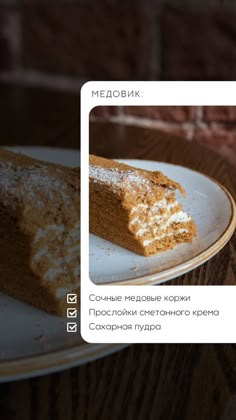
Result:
[
  {"x": 147, "y": 242},
  {"x": 151, "y": 221}
]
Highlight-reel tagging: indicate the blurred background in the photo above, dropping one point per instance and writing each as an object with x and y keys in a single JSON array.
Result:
[{"x": 49, "y": 49}]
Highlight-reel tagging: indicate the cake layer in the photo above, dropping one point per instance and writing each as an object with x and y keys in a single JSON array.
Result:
[
  {"x": 135, "y": 208},
  {"x": 39, "y": 231}
]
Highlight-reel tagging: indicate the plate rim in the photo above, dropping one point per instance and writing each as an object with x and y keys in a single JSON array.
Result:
[
  {"x": 197, "y": 260},
  {"x": 55, "y": 361}
]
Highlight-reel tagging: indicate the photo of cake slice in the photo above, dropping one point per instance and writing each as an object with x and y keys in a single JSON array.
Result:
[
  {"x": 39, "y": 231},
  {"x": 135, "y": 208}
]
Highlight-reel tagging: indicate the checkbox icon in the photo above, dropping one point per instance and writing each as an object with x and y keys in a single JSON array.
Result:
[
  {"x": 71, "y": 327},
  {"x": 71, "y": 313},
  {"x": 71, "y": 298}
]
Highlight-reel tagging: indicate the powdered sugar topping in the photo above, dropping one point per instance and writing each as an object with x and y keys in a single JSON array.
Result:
[
  {"x": 115, "y": 178},
  {"x": 31, "y": 183}
]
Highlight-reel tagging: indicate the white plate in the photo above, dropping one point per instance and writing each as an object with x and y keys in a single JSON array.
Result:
[
  {"x": 31, "y": 341},
  {"x": 211, "y": 207}
]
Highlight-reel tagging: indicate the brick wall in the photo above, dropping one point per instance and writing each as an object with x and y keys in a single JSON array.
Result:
[
  {"x": 62, "y": 44},
  {"x": 67, "y": 42},
  {"x": 211, "y": 126}
]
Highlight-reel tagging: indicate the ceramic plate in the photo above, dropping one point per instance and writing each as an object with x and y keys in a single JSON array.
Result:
[
  {"x": 211, "y": 207},
  {"x": 31, "y": 341}
]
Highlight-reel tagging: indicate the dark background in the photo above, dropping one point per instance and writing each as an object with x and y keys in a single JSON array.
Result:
[{"x": 49, "y": 49}]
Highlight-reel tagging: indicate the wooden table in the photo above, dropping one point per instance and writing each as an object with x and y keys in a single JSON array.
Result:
[{"x": 141, "y": 382}]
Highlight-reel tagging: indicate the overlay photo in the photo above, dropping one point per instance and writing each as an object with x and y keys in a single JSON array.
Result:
[{"x": 150, "y": 221}]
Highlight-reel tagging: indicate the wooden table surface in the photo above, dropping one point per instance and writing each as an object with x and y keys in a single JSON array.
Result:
[{"x": 141, "y": 382}]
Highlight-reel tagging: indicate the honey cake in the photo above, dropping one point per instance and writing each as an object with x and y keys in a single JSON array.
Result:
[
  {"x": 39, "y": 231},
  {"x": 135, "y": 208}
]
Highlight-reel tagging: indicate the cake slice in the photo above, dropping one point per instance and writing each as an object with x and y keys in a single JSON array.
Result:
[
  {"x": 136, "y": 209},
  {"x": 39, "y": 231}
]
